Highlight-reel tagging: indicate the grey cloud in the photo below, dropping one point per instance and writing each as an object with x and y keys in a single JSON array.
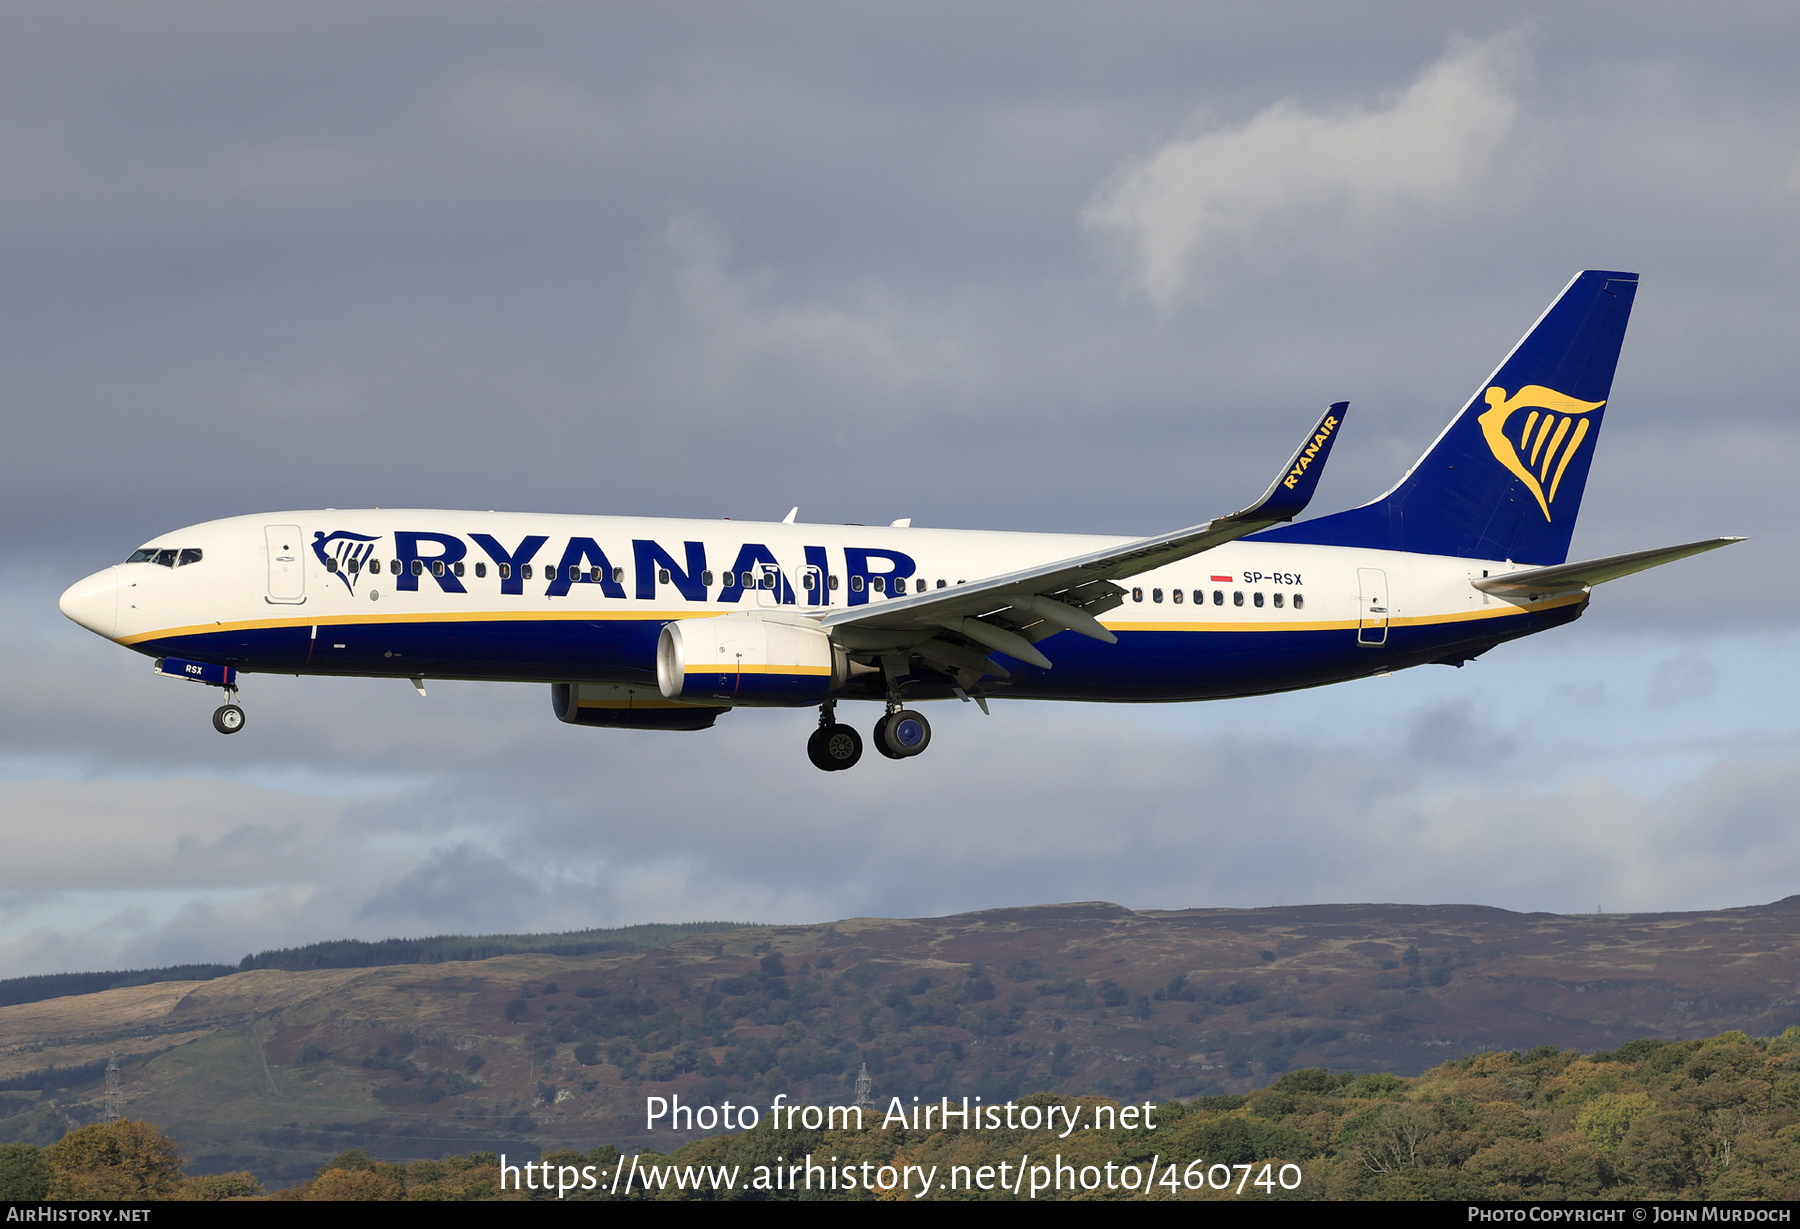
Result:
[{"x": 710, "y": 261}]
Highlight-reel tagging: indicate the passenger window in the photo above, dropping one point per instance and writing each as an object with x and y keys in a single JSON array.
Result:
[
  {"x": 878, "y": 583},
  {"x": 418, "y": 568},
  {"x": 706, "y": 578},
  {"x": 1137, "y": 595},
  {"x": 662, "y": 576},
  {"x": 437, "y": 567},
  {"x": 1256, "y": 599},
  {"x": 505, "y": 571},
  {"x": 1177, "y": 596},
  {"x": 1299, "y": 601},
  {"x": 481, "y": 571},
  {"x": 352, "y": 566},
  {"x": 190, "y": 555},
  {"x": 394, "y": 566},
  {"x": 856, "y": 584},
  {"x": 457, "y": 568},
  {"x": 831, "y": 582},
  {"x": 1156, "y": 595},
  {"x": 940, "y": 584},
  {"x": 809, "y": 582},
  {"x": 747, "y": 580},
  {"x": 1278, "y": 601},
  {"x": 1218, "y": 597},
  {"x": 1237, "y": 597},
  {"x": 618, "y": 575},
  {"x": 525, "y": 572}
]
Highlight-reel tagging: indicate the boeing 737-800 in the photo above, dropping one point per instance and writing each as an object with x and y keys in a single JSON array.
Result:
[{"x": 666, "y": 624}]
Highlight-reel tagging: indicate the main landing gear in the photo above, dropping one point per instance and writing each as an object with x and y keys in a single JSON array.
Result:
[
  {"x": 899, "y": 735},
  {"x": 902, "y": 734}
]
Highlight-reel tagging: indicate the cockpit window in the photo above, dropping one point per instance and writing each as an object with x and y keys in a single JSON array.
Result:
[
  {"x": 143, "y": 555},
  {"x": 189, "y": 555},
  {"x": 166, "y": 557}
]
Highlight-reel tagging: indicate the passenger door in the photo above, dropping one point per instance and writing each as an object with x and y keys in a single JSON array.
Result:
[{"x": 287, "y": 565}]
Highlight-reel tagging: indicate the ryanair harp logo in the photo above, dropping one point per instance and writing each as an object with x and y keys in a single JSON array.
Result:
[
  {"x": 1541, "y": 450},
  {"x": 343, "y": 553}
]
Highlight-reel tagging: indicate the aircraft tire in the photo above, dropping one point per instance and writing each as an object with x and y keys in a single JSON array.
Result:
[
  {"x": 834, "y": 748},
  {"x": 228, "y": 719},
  {"x": 881, "y": 743},
  {"x": 904, "y": 734}
]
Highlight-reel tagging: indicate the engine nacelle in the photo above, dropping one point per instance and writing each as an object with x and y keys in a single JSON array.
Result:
[
  {"x": 743, "y": 659},
  {"x": 626, "y": 708}
]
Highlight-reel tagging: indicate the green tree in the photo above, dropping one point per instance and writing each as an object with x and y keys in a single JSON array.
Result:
[
  {"x": 1607, "y": 1118},
  {"x": 24, "y": 1172},
  {"x": 114, "y": 1161}
]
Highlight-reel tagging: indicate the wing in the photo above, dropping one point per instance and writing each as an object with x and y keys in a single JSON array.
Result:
[{"x": 956, "y": 628}]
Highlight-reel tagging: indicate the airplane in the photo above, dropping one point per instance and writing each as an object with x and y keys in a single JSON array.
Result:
[{"x": 665, "y": 624}]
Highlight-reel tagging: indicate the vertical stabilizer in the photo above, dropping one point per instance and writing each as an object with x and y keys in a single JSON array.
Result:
[{"x": 1504, "y": 480}]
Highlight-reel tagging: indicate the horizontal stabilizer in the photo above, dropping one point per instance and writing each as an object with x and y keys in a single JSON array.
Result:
[{"x": 1565, "y": 576}]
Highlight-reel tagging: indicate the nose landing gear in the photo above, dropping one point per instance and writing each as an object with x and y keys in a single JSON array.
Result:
[{"x": 228, "y": 718}]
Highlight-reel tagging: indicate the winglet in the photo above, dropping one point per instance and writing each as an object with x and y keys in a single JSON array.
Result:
[{"x": 1290, "y": 493}]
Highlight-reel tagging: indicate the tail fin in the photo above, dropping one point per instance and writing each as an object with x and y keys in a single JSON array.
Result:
[{"x": 1504, "y": 480}]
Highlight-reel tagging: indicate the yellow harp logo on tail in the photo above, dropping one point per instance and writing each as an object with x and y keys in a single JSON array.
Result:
[{"x": 1541, "y": 450}]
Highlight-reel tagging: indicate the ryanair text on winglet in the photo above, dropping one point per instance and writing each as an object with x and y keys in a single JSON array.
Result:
[{"x": 1310, "y": 451}]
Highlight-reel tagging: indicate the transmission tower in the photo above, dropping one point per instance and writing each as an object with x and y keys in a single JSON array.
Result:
[
  {"x": 115, "y": 1096},
  {"x": 863, "y": 1087}
]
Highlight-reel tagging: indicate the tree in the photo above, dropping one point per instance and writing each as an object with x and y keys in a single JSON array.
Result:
[
  {"x": 24, "y": 1172},
  {"x": 114, "y": 1161}
]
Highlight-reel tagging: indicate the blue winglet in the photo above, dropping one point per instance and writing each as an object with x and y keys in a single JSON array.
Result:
[{"x": 1294, "y": 489}]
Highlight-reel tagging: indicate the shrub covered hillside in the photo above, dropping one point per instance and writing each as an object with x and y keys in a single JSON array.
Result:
[{"x": 1718, "y": 1119}]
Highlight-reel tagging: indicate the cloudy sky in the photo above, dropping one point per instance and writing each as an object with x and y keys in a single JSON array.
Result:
[{"x": 1004, "y": 266}]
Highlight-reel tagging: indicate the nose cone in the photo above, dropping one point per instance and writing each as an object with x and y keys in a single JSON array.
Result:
[{"x": 94, "y": 602}]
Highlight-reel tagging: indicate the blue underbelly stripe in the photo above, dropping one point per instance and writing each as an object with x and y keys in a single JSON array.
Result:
[{"x": 1148, "y": 665}]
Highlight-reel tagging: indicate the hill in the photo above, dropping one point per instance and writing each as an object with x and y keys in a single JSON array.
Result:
[{"x": 273, "y": 1070}]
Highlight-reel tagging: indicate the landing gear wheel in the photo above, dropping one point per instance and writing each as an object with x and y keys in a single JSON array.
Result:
[
  {"x": 834, "y": 747},
  {"x": 228, "y": 719},
  {"x": 904, "y": 733},
  {"x": 879, "y": 734}
]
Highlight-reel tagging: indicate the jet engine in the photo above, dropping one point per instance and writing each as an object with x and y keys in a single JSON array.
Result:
[
  {"x": 747, "y": 659},
  {"x": 626, "y": 708}
]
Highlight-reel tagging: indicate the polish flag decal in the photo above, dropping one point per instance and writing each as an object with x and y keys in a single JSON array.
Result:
[{"x": 1224, "y": 580}]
